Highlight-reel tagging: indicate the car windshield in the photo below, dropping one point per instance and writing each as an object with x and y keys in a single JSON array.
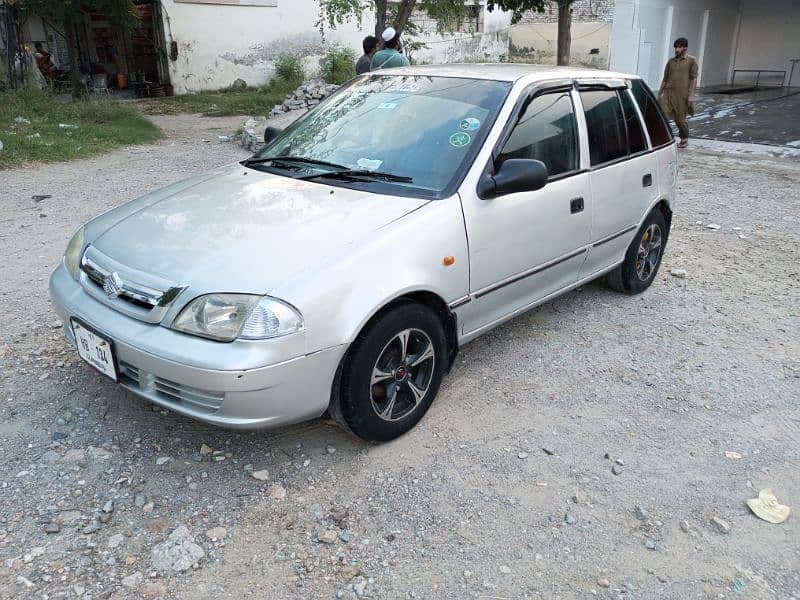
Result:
[{"x": 405, "y": 134}]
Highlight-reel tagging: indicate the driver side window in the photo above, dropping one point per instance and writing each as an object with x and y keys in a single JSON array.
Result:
[{"x": 547, "y": 131}]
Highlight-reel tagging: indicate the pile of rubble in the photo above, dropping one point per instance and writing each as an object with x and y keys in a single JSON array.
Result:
[
  {"x": 303, "y": 98},
  {"x": 306, "y": 96}
]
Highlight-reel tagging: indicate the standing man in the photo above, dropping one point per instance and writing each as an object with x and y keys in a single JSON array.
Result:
[
  {"x": 391, "y": 55},
  {"x": 678, "y": 87},
  {"x": 370, "y": 45}
]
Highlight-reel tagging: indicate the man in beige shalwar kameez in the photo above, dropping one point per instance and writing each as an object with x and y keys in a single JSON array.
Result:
[{"x": 678, "y": 87}]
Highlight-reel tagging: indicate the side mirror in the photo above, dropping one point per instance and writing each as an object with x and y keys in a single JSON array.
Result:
[
  {"x": 270, "y": 133},
  {"x": 512, "y": 176}
]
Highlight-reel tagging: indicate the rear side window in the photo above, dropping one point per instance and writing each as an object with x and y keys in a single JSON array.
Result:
[
  {"x": 606, "y": 125},
  {"x": 658, "y": 129},
  {"x": 547, "y": 131},
  {"x": 636, "y": 139}
]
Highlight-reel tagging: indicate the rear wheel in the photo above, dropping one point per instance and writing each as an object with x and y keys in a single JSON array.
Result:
[
  {"x": 392, "y": 373},
  {"x": 643, "y": 257}
]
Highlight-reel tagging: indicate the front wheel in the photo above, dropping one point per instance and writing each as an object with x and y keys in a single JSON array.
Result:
[
  {"x": 643, "y": 256},
  {"x": 392, "y": 373}
]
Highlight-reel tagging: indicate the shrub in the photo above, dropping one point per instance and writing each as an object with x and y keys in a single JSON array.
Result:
[
  {"x": 339, "y": 64},
  {"x": 289, "y": 68}
]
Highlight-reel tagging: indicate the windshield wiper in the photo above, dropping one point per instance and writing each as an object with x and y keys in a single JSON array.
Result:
[
  {"x": 362, "y": 174},
  {"x": 298, "y": 159}
]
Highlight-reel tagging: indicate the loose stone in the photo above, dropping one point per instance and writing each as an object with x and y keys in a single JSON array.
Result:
[
  {"x": 721, "y": 525},
  {"x": 262, "y": 475}
]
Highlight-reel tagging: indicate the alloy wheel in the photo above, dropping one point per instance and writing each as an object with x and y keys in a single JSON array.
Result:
[
  {"x": 649, "y": 252},
  {"x": 402, "y": 374}
]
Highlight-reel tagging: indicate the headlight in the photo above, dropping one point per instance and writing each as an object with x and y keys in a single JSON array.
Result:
[
  {"x": 72, "y": 257},
  {"x": 225, "y": 317}
]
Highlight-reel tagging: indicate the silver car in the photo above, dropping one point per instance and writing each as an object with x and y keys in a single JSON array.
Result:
[{"x": 341, "y": 268}]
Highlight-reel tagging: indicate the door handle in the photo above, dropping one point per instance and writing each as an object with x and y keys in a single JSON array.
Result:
[
  {"x": 647, "y": 180},
  {"x": 576, "y": 205}
]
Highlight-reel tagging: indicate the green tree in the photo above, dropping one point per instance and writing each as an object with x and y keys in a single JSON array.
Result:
[
  {"x": 448, "y": 14},
  {"x": 71, "y": 14}
]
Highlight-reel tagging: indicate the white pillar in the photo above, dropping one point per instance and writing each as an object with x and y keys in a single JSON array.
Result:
[
  {"x": 701, "y": 48},
  {"x": 667, "y": 47}
]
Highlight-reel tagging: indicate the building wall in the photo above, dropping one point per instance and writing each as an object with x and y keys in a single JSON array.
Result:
[
  {"x": 641, "y": 40},
  {"x": 723, "y": 35},
  {"x": 219, "y": 43},
  {"x": 591, "y": 42},
  {"x": 769, "y": 36},
  {"x": 490, "y": 44},
  {"x": 535, "y": 37},
  {"x": 583, "y": 11}
]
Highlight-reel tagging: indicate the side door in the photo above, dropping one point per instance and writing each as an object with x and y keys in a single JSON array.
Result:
[
  {"x": 527, "y": 245},
  {"x": 624, "y": 174}
]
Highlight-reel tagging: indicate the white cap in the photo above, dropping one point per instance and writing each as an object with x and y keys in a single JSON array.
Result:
[{"x": 388, "y": 34}]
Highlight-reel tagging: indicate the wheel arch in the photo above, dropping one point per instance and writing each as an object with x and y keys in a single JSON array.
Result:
[{"x": 424, "y": 297}]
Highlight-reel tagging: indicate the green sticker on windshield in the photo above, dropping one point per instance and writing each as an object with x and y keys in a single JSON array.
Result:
[{"x": 460, "y": 139}]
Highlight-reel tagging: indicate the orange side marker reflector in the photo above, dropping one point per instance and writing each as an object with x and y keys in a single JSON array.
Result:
[{"x": 448, "y": 260}]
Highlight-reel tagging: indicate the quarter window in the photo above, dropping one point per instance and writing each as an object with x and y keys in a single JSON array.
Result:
[
  {"x": 636, "y": 141},
  {"x": 606, "y": 125},
  {"x": 547, "y": 131},
  {"x": 656, "y": 126}
]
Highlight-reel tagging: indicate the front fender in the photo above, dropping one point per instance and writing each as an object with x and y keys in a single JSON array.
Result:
[{"x": 405, "y": 256}]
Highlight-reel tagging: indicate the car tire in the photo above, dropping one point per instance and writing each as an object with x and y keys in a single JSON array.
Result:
[
  {"x": 643, "y": 257},
  {"x": 392, "y": 373}
]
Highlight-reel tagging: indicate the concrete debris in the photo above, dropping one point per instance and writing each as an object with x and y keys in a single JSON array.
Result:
[
  {"x": 303, "y": 98},
  {"x": 177, "y": 553}
]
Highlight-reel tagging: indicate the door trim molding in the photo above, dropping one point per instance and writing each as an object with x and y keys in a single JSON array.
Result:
[
  {"x": 614, "y": 236},
  {"x": 525, "y": 274}
]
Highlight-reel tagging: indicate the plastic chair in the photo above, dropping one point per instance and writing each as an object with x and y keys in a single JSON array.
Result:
[{"x": 100, "y": 84}]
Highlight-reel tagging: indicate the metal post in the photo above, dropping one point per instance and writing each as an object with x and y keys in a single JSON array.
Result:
[{"x": 794, "y": 61}]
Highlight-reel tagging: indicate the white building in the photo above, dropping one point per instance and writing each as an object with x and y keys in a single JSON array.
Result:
[
  {"x": 726, "y": 36},
  {"x": 215, "y": 42}
]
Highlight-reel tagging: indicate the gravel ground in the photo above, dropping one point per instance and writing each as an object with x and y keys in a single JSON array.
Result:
[{"x": 581, "y": 450}]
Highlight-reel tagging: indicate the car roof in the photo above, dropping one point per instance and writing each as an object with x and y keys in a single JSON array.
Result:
[{"x": 507, "y": 71}]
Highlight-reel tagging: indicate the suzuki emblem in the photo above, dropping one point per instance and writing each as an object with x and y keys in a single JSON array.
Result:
[{"x": 112, "y": 285}]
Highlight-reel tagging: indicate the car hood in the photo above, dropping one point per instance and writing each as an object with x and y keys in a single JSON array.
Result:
[{"x": 247, "y": 231}]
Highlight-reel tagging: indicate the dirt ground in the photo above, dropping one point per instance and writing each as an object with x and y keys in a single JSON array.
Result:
[{"x": 581, "y": 450}]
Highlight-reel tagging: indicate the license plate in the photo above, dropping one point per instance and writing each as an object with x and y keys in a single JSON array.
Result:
[{"x": 95, "y": 349}]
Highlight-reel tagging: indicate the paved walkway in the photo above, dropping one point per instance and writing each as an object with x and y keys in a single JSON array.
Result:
[{"x": 760, "y": 117}]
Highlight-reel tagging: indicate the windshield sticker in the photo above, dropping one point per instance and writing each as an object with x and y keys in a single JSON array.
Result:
[
  {"x": 369, "y": 164},
  {"x": 460, "y": 139},
  {"x": 470, "y": 124},
  {"x": 388, "y": 105},
  {"x": 403, "y": 86}
]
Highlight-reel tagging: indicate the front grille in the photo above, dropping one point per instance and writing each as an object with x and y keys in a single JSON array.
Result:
[
  {"x": 168, "y": 392},
  {"x": 132, "y": 292}
]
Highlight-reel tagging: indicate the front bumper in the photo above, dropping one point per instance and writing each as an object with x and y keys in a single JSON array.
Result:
[{"x": 178, "y": 371}]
